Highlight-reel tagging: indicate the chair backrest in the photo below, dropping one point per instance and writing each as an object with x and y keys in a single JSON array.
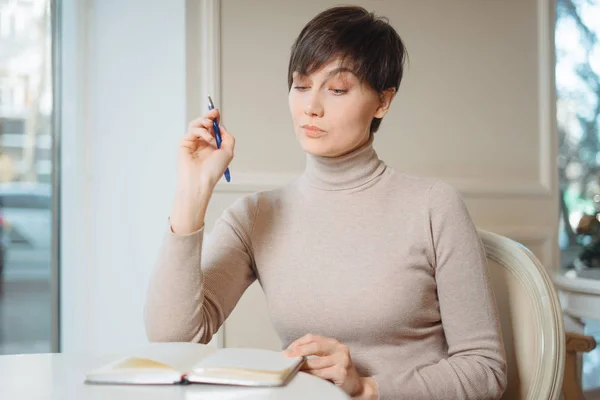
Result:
[{"x": 531, "y": 319}]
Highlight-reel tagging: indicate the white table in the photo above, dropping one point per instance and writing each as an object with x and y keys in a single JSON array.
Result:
[
  {"x": 580, "y": 298},
  {"x": 60, "y": 376}
]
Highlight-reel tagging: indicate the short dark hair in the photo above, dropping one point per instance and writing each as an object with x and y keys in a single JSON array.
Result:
[{"x": 365, "y": 43}]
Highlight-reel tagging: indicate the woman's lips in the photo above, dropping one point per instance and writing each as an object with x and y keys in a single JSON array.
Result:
[{"x": 313, "y": 131}]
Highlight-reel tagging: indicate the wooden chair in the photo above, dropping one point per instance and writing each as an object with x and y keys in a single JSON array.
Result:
[
  {"x": 576, "y": 343},
  {"x": 531, "y": 320}
]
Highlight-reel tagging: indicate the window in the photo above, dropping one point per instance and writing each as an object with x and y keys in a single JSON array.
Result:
[
  {"x": 578, "y": 111},
  {"x": 28, "y": 291}
]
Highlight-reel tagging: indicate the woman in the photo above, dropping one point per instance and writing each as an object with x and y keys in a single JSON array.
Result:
[{"x": 379, "y": 274}]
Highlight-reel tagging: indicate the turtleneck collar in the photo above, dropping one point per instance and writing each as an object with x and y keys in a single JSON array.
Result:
[{"x": 349, "y": 171}]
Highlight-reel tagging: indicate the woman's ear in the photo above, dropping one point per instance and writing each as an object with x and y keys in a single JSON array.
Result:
[{"x": 385, "y": 101}]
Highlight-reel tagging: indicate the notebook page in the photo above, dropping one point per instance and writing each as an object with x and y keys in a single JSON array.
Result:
[
  {"x": 248, "y": 359},
  {"x": 179, "y": 356}
]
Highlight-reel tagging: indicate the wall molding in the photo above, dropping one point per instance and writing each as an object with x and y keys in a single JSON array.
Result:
[
  {"x": 207, "y": 55},
  {"x": 77, "y": 259},
  {"x": 526, "y": 235},
  {"x": 548, "y": 132},
  {"x": 203, "y": 33},
  {"x": 203, "y": 55},
  {"x": 210, "y": 60},
  {"x": 543, "y": 188},
  {"x": 470, "y": 188}
]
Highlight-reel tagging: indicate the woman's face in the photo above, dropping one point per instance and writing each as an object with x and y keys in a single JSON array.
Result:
[{"x": 332, "y": 110}]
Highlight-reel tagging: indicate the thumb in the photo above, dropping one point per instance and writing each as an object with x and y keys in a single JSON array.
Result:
[{"x": 227, "y": 140}]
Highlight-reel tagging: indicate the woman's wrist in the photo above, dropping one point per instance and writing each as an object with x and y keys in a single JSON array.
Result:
[{"x": 189, "y": 208}]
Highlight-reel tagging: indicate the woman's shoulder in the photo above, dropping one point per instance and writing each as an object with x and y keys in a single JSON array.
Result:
[
  {"x": 433, "y": 195},
  {"x": 420, "y": 184},
  {"x": 242, "y": 211},
  {"x": 248, "y": 205},
  {"x": 279, "y": 192}
]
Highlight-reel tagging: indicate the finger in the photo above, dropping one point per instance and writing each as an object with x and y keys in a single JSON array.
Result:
[
  {"x": 333, "y": 374},
  {"x": 193, "y": 134},
  {"x": 190, "y": 140},
  {"x": 312, "y": 349},
  {"x": 211, "y": 115},
  {"x": 320, "y": 362},
  {"x": 227, "y": 140},
  {"x": 308, "y": 338},
  {"x": 204, "y": 123},
  {"x": 203, "y": 134},
  {"x": 312, "y": 338}
]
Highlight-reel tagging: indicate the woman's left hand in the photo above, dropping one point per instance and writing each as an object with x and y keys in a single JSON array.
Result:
[{"x": 333, "y": 364}]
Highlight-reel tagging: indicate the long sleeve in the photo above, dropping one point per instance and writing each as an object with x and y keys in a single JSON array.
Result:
[
  {"x": 476, "y": 364},
  {"x": 196, "y": 283}
]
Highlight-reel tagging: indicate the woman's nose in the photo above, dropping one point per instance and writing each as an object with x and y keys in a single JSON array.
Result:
[{"x": 313, "y": 107}]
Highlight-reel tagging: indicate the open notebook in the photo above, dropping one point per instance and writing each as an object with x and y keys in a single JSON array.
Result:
[{"x": 173, "y": 363}]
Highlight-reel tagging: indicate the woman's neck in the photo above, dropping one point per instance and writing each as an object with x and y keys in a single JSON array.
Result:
[{"x": 348, "y": 171}]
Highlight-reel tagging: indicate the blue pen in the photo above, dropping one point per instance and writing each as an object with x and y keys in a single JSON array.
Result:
[{"x": 218, "y": 136}]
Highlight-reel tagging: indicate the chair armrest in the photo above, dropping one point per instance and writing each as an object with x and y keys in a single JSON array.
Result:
[
  {"x": 575, "y": 343},
  {"x": 578, "y": 343}
]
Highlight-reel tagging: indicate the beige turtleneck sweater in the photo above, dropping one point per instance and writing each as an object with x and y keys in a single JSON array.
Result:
[{"x": 386, "y": 263}]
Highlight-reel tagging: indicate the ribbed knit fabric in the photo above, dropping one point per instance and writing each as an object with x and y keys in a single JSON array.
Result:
[{"x": 386, "y": 263}]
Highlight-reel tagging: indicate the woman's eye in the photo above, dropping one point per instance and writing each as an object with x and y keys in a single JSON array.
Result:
[
  {"x": 301, "y": 88},
  {"x": 339, "y": 91}
]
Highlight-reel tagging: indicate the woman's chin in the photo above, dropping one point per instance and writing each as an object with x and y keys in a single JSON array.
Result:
[
  {"x": 316, "y": 147},
  {"x": 329, "y": 145}
]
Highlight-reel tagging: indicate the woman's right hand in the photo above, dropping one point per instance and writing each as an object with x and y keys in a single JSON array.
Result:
[
  {"x": 200, "y": 166},
  {"x": 199, "y": 159}
]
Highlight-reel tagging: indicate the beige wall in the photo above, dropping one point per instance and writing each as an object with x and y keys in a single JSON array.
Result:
[{"x": 476, "y": 109}]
